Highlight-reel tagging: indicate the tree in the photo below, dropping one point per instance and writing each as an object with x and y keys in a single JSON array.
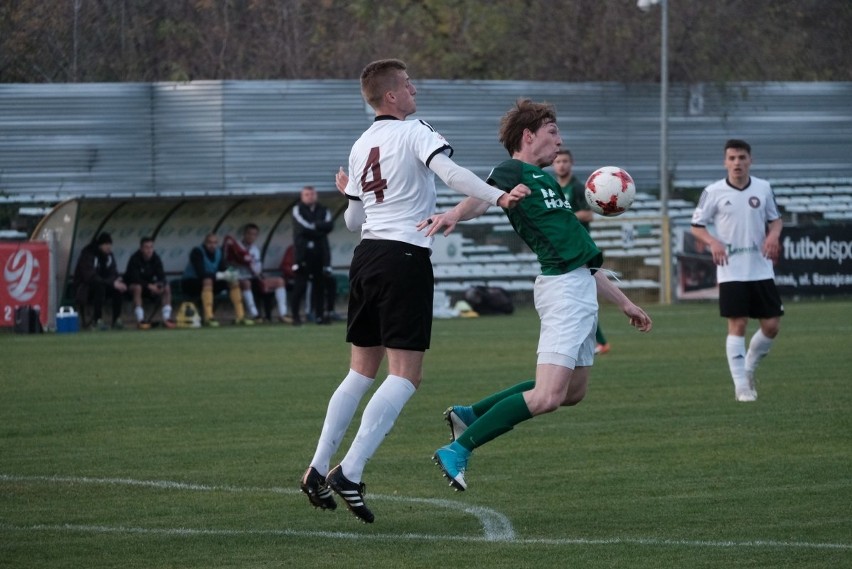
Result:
[{"x": 572, "y": 40}]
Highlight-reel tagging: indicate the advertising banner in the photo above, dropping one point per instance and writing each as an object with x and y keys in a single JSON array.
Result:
[
  {"x": 696, "y": 273},
  {"x": 24, "y": 280},
  {"x": 814, "y": 261}
]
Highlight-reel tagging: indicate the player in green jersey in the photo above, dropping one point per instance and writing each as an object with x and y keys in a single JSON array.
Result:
[{"x": 565, "y": 292}]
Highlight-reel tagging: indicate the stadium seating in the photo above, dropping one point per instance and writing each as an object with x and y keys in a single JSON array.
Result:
[{"x": 493, "y": 255}]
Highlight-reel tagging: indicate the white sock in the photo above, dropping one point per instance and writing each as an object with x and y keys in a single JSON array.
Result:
[
  {"x": 341, "y": 409},
  {"x": 736, "y": 352},
  {"x": 281, "y": 299},
  {"x": 167, "y": 312},
  {"x": 248, "y": 300},
  {"x": 139, "y": 313},
  {"x": 379, "y": 416},
  {"x": 758, "y": 347}
]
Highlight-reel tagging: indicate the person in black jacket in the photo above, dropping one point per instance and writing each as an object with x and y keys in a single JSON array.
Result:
[
  {"x": 146, "y": 278},
  {"x": 96, "y": 278},
  {"x": 311, "y": 225}
]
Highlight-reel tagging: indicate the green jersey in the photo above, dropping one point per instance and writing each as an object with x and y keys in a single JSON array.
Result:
[{"x": 544, "y": 219}]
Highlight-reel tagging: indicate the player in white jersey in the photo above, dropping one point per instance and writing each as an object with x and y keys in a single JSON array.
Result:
[
  {"x": 245, "y": 256},
  {"x": 391, "y": 187},
  {"x": 748, "y": 226}
]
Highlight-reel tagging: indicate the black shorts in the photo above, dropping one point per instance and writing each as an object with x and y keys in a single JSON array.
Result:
[
  {"x": 146, "y": 292},
  {"x": 752, "y": 299},
  {"x": 391, "y": 285}
]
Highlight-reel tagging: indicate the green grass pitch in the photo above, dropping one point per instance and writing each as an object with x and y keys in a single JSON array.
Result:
[{"x": 166, "y": 449}]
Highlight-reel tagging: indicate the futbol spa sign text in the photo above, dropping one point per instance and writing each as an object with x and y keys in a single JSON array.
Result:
[{"x": 815, "y": 260}]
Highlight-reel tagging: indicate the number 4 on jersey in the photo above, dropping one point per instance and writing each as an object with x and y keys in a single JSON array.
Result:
[{"x": 373, "y": 169}]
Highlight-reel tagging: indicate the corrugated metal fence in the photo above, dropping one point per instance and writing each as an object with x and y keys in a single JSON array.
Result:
[{"x": 257, "y": 137}]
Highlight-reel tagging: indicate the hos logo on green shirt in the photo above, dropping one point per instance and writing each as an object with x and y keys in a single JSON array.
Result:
[
  {"x": 552, "y": 200},
  {"x": 545, "y": 220}
]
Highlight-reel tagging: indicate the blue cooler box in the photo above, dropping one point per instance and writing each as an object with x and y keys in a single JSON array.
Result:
[{"x": 67, "y": 320}]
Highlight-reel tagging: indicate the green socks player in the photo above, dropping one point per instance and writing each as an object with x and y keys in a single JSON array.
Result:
[{"x": 479, "y": 423}]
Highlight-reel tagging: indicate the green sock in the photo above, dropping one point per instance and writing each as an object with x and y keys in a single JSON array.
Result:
[
  {"x": 501, "y": 418},
  {"x": 480, "y": 408},
  {"x": 599, "y": 336}
]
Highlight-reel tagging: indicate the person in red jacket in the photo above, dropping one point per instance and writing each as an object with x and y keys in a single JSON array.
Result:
[{"x": 245, "y": 256}]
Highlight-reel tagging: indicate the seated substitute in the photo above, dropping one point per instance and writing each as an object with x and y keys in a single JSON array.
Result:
[
  {"x": 96, "y": 278},
  {"x": 244, "y": 255},
  {"x": 207, "y": 274},
  {"x": 146, "y": 278}
]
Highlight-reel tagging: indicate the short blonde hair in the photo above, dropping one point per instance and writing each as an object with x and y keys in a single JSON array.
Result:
[{"x": 378, "y": 78}]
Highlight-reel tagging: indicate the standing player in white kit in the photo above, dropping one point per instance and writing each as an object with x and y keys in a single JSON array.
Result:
[
  {"x": 391, "y": 188},
  {"x": 742, "y": 208}
]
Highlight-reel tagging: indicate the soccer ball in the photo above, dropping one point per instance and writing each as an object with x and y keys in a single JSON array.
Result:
[{"x": 610, "y": 191}]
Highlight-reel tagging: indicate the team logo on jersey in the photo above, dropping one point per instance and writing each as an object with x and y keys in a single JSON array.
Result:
[
  {"x": 552, "y": 200},
  {"x": 754, "y": 202}
]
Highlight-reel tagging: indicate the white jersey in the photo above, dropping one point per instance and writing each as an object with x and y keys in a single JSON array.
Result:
[
  {"x": 249, "y": 272},
  {"x": 389, "y": 172},
  {"x": 739, "y": 218}
]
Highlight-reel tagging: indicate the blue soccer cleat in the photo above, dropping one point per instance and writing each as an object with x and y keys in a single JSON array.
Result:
[{"x": 452, "y": 460}]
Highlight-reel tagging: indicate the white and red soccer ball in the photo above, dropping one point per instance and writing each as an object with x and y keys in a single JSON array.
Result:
[{"x": 610, "y": 191}]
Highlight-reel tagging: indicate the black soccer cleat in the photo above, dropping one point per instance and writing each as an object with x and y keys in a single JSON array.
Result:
[
  {"x": 313, "y": 484},
  {"x": 351, "y": 492}
]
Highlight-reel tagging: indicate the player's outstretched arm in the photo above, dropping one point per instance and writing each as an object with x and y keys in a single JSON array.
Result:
[
  {"x": 511, "y": 198},
  {"x": 639, "y": 319},
  {"x": 470, "y": 208},
  {"x": 463, "y": 180}
]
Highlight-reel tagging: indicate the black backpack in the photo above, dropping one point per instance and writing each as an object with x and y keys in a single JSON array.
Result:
[
  {"x": 489, "y": 300},
  {"x": 28, "y": 320}
]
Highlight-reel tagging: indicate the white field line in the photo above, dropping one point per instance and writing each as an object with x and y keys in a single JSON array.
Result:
[
  {"x": 496, "y": 527},
  {"x": 195, "y": 532}
]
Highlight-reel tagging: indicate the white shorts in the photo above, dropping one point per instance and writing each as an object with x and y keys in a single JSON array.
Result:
[{"x": 568, "y": 308}]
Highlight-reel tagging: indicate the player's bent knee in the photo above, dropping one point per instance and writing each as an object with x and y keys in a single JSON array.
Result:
[
  {"x": 544, "y": 404},
  {"x": 770, "y": 329},
  {"x": 573, "y": 399}
]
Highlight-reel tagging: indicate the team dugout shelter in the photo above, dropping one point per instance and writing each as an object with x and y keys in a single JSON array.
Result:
[{"x": 177, "y": 225}]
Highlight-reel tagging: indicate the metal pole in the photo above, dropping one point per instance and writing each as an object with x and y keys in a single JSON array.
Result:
[
  {"x": 53, "y": 294},
  {"x": 665, "y": 228}
]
